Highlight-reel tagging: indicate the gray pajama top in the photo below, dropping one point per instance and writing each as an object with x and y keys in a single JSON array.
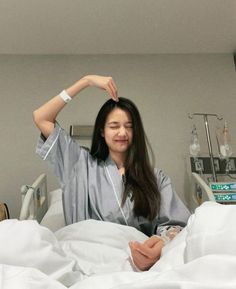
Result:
[{"x": 93, "y": 190}]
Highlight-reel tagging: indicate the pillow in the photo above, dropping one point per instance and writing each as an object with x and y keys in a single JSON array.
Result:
[
  {"x": 55, "y": 196},
  {"x": 99, "y": 247},
  {"x": 54, "y": 217}
]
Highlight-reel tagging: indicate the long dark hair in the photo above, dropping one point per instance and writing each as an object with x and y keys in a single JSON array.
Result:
[{"x": 140, "y": 178}]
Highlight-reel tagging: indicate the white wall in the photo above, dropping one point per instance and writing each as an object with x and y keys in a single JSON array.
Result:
[{"x": 164, "y": 87}]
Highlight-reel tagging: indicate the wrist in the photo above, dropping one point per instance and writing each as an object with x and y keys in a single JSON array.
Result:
[
  {"x": 65, "y": 96},
  {"x": 77, "y": 87},
  {"x": 86, "y": 80}
]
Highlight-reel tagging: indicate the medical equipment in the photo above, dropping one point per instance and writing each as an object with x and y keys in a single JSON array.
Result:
[
  {"x": 206, "y": 122},
  {"x": 194, "y": 149},
  {"x": 225, "y": 149},
  {"x": 217, "y": 188},
  {"x": 194, "y": 146},
  {"x": 224, "y": 192},
  {"x": 34, "y": 199},
  {"x": 201, "y": 192},
  {"x": 116, "y": 196},
  {"x": 220, "y": 192}
]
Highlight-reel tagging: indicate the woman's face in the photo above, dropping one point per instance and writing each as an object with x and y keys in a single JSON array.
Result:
[{"x": 118, "y": 131}]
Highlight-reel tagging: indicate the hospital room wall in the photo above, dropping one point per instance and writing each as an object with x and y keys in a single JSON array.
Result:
[{"x": 164, "y": 87}]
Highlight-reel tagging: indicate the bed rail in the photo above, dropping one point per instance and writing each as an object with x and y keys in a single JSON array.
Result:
[
  {"x": 202, "y": 191},
  {"x": 34, "y": 200}
]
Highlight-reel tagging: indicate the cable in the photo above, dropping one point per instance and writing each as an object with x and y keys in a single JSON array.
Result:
[{"x": 114, "y": 190}]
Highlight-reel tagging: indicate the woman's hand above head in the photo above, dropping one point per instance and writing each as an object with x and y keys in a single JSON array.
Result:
[
  {"x": 45, "y": 116},
  {"x": 146, "y": 254},
  {"x": 104, "y": 82}
]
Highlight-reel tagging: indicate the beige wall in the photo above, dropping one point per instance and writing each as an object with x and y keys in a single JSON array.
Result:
[{"x": 165, "y": 88}]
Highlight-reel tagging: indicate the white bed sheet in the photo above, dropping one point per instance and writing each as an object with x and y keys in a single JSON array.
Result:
[{"x": 94, "y": 254}]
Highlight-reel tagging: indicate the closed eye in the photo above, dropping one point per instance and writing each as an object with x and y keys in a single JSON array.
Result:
[{"x": 117, "y": 125}]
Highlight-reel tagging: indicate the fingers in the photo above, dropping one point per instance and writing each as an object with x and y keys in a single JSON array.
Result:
[
  {"x": 152, "y": 241},
  {"x": 104, "y": 82},
  {"x": 141, "y": 261},
  {"x": 148, "y": 252},
  {"x": 141, "y": 248},
  {"x": 113, "y": 83},
  {"x": 112, "y": 89},
  {"x": 153, "y": 251}
]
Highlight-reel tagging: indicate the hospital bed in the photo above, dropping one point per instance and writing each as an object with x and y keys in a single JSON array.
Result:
[
  {"x": 94, "y": 254},
  {"x": 200, "y": 192},
  {"x": 46, "y": 207}
]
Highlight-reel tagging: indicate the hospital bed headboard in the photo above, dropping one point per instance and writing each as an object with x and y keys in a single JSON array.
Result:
[{"x": 34, "y": 200}]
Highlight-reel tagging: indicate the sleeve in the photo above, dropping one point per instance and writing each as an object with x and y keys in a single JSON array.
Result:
[
  {"x": 60, "y": 151},
  {"x": 173, "y": 214}
]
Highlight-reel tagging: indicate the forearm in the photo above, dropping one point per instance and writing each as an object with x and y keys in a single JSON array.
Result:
[{"x": 45, "y": 116}]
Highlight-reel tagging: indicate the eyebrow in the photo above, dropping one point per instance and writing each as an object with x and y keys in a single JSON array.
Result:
[{"x": 117, "y": 122}]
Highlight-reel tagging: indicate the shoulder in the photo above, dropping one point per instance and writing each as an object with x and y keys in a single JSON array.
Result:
[{"x": 67, "y": 145}]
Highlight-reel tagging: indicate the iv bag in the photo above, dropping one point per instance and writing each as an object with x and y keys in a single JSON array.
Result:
[
  {"x": 194, "y": 147},
  {"x": 224, "y": 140}
]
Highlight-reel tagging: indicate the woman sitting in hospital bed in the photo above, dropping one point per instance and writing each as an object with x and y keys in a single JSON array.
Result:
[{"x": 114, "y": 181}]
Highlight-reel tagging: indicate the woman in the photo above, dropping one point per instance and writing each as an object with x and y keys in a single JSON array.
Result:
[{"x": 114, "y": 181}]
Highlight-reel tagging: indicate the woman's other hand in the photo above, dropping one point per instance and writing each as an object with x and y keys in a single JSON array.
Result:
[
  {"x": 146, "y": 254},
  {"x": 104, "y": 82}
]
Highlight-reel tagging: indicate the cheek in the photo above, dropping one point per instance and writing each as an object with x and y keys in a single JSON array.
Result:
[
  {"x": 131, "y": 136},
  {"x": 107, "y": 135}
]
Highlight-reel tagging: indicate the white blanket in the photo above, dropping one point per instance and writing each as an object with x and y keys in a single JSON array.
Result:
[{"x": 95, "y": 254}]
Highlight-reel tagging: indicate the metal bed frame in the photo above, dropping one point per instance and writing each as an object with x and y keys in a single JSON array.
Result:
[
  {"x": 201, "y": 192},
  {"x": 34, "y": 200}
]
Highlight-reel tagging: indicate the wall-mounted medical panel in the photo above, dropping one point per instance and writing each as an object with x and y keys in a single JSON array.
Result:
[{"x": 204, "y": 164}]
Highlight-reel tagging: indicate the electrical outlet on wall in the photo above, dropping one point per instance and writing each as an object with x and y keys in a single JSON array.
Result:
[
  {"x": 232, "y": 167},
  {"x": 199, "y": 166}
]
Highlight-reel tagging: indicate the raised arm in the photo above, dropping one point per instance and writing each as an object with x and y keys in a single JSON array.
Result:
[{"x": 45, "y": 116}]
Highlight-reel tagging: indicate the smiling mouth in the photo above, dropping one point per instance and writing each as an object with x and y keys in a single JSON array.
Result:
[{"x": 121, "y": 140}]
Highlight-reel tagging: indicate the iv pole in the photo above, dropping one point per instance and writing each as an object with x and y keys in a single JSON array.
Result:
[{"x": 205, "y": 118}]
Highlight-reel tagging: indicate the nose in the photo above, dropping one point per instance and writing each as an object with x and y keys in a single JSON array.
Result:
[{"x": 122, "y": 131}]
